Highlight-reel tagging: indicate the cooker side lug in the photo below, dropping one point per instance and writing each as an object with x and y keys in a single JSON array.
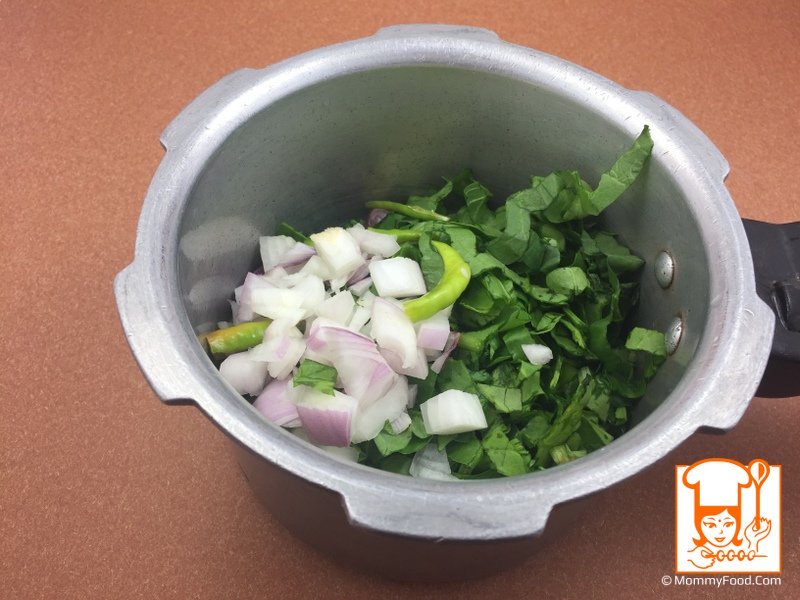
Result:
[
  {"x": 146, "y": 329},
  {"x": 476, "y": 517}
]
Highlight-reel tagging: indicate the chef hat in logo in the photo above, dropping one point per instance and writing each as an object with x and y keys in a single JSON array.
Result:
[{"x": 717, "y": 482}]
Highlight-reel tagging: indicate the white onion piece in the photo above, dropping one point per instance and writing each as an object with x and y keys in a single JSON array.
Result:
[
  {"x": 327, "y": 419},
  {"x": 394, "y": 331},
  {"x": 412, "y": 395},
  {"x": 376, "y": 215},
  {"x": 360, "y": 287},
  {"x": 247, "y": 376},
  {"x": 273, "y": 248},
  {"x": 276, "y": 404},
  {"x": 251, "y": 282},
  {"x": 401, "y": 423},
  {"x": 316, "y": 266},
  {"x": 398, "y": 277},
  {"x": 279, "y": 303},
  {"x": 452, "y": 411},
  {"x": 364, "y": 373},
  {"x": 317, "y": 357},
  {"x": 234, "y": 311},
  {"x": 281, "y": 354},
  {"x": 452, "y": 344},
  {"x": 360, "y": 317},
  {"x": 418, "y": 370},
  {"x": 344, "y": 453},
  {"x": 339, "y": 251},
  {"x": 338, "y": 308},
  {"x": 276, "y": 276},
  {"x": 373, "y": 243},
  {"x": 359, "y": 274},
  {"x": 312, "y": 290},
  {"x": 282, "y": 349},
  {"x": 338, "y": 283},
  {"x": 537, "y": 354},
  {"x": 432, "y": 333},
  {"x": 429, "y": 463},
  {"x": 237, "y": 293},
  {"x": 296, "y": 255},
  {"x": 367, "y": 299},
  {"x": 369, "y": 420}
]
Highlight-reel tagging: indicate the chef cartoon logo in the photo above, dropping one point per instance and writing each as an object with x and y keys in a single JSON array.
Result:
[{"x": 728, "y": 517}]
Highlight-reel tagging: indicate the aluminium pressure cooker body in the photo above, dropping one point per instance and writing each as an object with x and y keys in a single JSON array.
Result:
[{"x": 309, "y": 140}]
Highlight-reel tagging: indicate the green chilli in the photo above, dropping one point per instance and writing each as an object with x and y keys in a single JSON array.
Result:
[
  {"x": 238, "y": 338},
  {"x": 402, "y": 235},
  {"x": 454, "y": 281},
  {"x": 415, "y": 212}
]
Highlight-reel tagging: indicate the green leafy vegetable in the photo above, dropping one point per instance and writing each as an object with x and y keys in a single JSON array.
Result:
[
  {"x": 536, "y": 270},
  {"x": 316, "y": 375}
]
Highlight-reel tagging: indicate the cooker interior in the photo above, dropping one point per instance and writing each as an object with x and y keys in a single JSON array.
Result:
[{"x": 315, "y": 156}]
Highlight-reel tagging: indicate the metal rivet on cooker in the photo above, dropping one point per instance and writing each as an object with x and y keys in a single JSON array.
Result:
[
  {"x": 665, "y": 269},
  {"x": 672, "y": 336}
]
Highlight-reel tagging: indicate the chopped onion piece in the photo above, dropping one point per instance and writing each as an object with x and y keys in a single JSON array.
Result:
[
  {"x": 401, "y": 423},
  {"x": 361, "y": 287},
  {"x": 369, "y": 420},
  {"x": 339, "y": 251},
  {"x": 360, "y": 317},
  {"x": 345, "y": 453},
  {"x": 432, "y": 333},
  {"x": 296, "y": 255},
  {"x": 337, "y": 283},
  {"x": 337, "y": 308},
  {"x": 429, "y": 463},
  {"x": 276, "y": 276},
  {"x": 312, "y": 290},
  {"x": 376, "y": 215},
  {"x": 251, "y": 282},
  {"x": 279, "y": 303},
  {"x": 246, "y": 375},
  {"x": 394, "y": 331},
  {"x": 452, "y": 344},
  {"x": 275, "y": 403},
  {"x": 412, "y": 395},
  {"x": 398, "y": 277},
  {"x": 367, "y": 300},
  {"x": 419, "y": 369},
  {"x": 273, "y": 248},
  {"x": 373, "y": 243},
  {"x": 360, "y": 273},
  {"x": 537, "y": 354},
  {"x": 317, "y": 357},
  {"x": 283, "y": 347},
  {"x": 316, "y": 266},
  {"x": 326, "y": 419},
  {"x": 452, "y": 411},
  {"x": 364, "y": 373},
  {"x": 234, "y": 311}
]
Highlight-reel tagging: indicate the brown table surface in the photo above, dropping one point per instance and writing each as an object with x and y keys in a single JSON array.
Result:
[{"x": 107, "y": 493}]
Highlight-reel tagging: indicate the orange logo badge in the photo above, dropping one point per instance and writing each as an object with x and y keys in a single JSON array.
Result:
[{"x": 727, "y": 517}]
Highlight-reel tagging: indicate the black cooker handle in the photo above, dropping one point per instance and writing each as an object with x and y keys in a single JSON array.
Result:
[{"x": 776, "y": 258}]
